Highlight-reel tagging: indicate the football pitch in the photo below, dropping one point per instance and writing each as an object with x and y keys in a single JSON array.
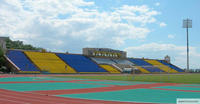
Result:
[{"x": 168, "y": 78}]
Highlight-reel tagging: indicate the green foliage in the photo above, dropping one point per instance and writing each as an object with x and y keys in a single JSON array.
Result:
[
  {"x": 2, "y": 59},
  {"x": 1, "y": 52},
  {"x": 19, "y": 45}
]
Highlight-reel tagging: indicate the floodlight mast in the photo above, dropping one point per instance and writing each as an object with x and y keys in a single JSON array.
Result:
[{"x": 187, "y": 23}]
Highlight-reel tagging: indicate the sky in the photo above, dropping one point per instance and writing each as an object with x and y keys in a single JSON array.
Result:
[{"x": 143, "y": 28}]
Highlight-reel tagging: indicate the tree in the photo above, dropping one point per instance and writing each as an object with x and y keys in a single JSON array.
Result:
[
  {"x": 2, "y": 59},
  {"x": 19, "y": 45}
]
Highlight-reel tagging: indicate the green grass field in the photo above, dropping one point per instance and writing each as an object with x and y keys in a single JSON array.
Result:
[{"x": 170, "y": 78}]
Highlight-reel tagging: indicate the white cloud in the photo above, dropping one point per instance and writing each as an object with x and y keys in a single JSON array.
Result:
[
  {"x": 73, "y": 24},
  {"x": 162, "y": 24},
  {"x": 157, "y": 4},
  {"x": 157, "y": 51},
  {"x": 129, "y": 14},
  {"x": 171, "y": 36}
]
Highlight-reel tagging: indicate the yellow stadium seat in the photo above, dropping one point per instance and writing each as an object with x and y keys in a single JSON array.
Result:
[
  {"x": 142, "y": 69},
  {"x": 161, "y": 66},
  {"x": 110, "y": 68},
  {"x": 49, "y": 62}
]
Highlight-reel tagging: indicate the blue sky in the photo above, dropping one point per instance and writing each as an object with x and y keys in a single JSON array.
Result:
[{"x": 143, "y": 28}]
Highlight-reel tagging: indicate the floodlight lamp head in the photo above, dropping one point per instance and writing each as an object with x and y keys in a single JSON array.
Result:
[{"x": 187, "y": 23}]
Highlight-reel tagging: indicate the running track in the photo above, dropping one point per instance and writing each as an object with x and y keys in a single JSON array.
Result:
[{"x": 48, "y": 97}]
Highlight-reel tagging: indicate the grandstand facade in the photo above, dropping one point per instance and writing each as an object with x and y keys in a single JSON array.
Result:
[
  {"x": 104, "y": 52},
  {"x": 21, "y": 61}
]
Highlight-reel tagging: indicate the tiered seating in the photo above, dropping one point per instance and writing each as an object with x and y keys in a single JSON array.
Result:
[
  {"x": 81, "y": 63},
  {"x": 171, "y": 66},
  {"x": 102, "y": 60},
  {"x": 49, "y": 62},
  {"x": 110, "y": 69},
  {"x": 107, "y": 64},
  {"x": 123, "y": 61},
  {"x": 161, "y": 66},
  {"x": 144, "y": 66},
  {"x": 21, "y": 61},
  {"x": 123, "y": 64}
]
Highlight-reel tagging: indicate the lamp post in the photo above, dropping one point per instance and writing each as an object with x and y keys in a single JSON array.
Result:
[{"x": 187, "y": 23}]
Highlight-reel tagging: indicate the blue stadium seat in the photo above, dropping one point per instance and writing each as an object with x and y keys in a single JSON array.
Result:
[
  {"x": 80, "y": 63},
  {"x": 171, "y": 66},
  {"x": 145, "y": 65},
  {"x": 21, "y": 61}
]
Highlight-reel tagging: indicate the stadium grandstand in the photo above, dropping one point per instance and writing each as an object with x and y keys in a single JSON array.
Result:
[
  {"x": 92, "y": 60},
  {"x": 47, "y": 62}
]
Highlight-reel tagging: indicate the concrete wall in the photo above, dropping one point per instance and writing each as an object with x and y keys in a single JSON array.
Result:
[{"x": 3, "y": 43}]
